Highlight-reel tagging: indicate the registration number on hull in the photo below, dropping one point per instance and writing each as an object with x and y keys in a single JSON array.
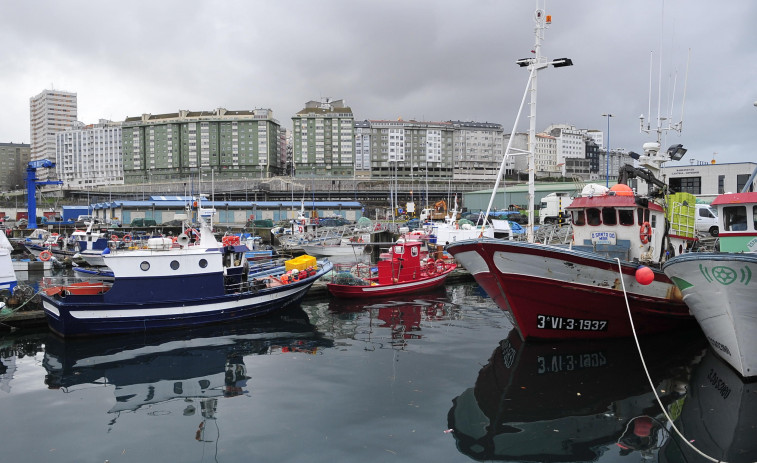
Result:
[{"x": 550, "y": 322}]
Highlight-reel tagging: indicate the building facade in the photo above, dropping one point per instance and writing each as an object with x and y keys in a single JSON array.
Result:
[
  {"x": 50, "y": 112},
  {"x": 323, "y": 136},
  {"x": 90, "y": 155},
  {"x": 477, "y": 149},
  {"x": 707, "y": 180},
  {"x": 407, "y": 149},
  {"x": 14, "y": 157},
  {"x": 231, "y": 144}
]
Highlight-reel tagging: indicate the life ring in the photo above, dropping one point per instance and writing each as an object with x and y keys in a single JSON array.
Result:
[
  {"x": 127, "y": 238},
  {"x": 645, "y": 232},
  {"x": 431, "y": 267},
  {"x": 440, "y": 265},
  {"x": 45, "y": 255},
  {"x": 114, "y": 237}
]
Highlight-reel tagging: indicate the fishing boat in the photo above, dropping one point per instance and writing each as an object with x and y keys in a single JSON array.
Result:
[
  {"x": 8, "y": 280},
  {"x": 532, "y": 402},
  {"x": 91, "y": 243},
  {"x": 167, "y": 286},
  {"x": 55, "y": 245},
  {"x": 404, "y": 270},
  {"x": 720, "y": 287},
  {"x": 579, "y": 290},
  {"x": 346, "y": 247}
]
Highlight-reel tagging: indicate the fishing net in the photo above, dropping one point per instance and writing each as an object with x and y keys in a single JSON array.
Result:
[{"x": 348, "y": 279}]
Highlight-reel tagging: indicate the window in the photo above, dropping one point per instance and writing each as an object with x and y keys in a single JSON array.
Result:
[
  {"x": 577, "y": 217},
  {"x": 734, "y": 218},
  {"x": 175, "y": 264},
  {"x": 691, "y": 185},
  {"x": 593, "y": 216},
  {"x": 145, "y": 266},
  {"x": 625, "y": 217},
  {"x": 721, "y": 184},
  {"x": 741, "y": 180},
  {"x": 608, "y": 216}
]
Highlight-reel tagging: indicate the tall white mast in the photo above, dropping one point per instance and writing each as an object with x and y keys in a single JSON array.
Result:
[{"x": 534, "y": 64}]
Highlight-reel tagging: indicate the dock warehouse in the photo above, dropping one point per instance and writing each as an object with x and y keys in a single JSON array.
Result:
[{"x": 164, "y": 209}]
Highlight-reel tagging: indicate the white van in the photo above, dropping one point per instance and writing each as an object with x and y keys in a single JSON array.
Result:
[{"x": 706, "y": 219}]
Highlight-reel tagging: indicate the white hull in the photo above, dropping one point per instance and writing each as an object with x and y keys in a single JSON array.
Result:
[
  {"x": 333, "y": 250},
  {"x": 93, "y": 258},
  {"x": 720, "y": 290}
]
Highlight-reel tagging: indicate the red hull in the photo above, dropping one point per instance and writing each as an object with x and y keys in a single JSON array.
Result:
[
  {"x": 551, "y": 306},
  {"x": 395, "y": 289}
]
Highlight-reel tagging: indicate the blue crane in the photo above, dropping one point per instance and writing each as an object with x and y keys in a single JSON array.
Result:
[{"x": 31, "y": 188}]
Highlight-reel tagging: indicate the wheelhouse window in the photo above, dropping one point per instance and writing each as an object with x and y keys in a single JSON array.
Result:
[
  {"x": 577, "y": 217},
  {"x": 625, "y": 217},
  {"x": 734, "y": 218},
  {"x": 754, "y": 217},
  {"x": 608, "y": 216},
  {"x": 643, "y": 215},
  {"x": 593, "y": 216}
]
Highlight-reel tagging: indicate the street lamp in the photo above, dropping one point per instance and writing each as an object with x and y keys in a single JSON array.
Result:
[{"x": 607, "y": 160}]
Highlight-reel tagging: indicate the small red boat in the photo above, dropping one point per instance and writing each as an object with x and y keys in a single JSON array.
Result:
[{"x": 405, "y": 270}]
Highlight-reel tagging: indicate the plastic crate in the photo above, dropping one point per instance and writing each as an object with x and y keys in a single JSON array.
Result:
[{"x": 300, "y": 263}]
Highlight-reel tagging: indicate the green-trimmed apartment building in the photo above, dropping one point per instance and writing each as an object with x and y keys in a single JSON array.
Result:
[
  {"x": 323, "y": 134},
  {"x": 233, "y": 144}
]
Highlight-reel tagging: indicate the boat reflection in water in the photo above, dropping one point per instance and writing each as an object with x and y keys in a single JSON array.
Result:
[
  {"x": 719, "y": 416},
  {"x": 204, "y": 363},
  {"x": 548, "y": 402},
  {"x": 403, "y": 315}
]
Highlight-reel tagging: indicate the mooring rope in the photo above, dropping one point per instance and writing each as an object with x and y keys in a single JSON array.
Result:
[{"x": 646, "y": 371}]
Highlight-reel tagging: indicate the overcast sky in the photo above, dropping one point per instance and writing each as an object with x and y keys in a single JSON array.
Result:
[{"x": 434, "y": 60}]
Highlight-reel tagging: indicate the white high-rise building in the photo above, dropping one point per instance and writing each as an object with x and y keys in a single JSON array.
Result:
[
  {"x": 50, "y": 112},
  {"x": 90, "y": 155}
]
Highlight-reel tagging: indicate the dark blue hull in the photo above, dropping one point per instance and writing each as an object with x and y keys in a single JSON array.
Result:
[{"x": 80, "y": 315}]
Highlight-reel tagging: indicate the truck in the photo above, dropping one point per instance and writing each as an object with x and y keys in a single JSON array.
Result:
[{"x": 552, "y": 208}]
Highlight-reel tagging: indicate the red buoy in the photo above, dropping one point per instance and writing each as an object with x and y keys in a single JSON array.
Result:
[{"x": 644, "y": 275}]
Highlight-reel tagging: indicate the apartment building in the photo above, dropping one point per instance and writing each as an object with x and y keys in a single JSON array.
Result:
[
  {"x": 14, "y": 157},
  {"x": 323, "y": 136},
  {"x": 90, "y": 155},
  {"x": 231, "y": 144},
  {"x": 50, "y": 112},
  {"x": 407, "y": 149},
  {"x": 478, "y": 151}
]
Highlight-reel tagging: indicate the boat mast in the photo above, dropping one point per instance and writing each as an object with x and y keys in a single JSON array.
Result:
[{"x": 533, "y": 64}]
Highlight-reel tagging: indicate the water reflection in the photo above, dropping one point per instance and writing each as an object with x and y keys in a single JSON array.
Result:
[
  {"x": 202, "y": 364},
  {"x": 572, "y": 401},
  {"x": 402, "y": 315},
  {"x": 719, "y": 416}
]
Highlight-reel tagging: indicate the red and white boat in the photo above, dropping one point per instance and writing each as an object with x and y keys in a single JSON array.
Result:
[
  {"x": 405, "y": 270},
  {"x": 579, "y": 290}
]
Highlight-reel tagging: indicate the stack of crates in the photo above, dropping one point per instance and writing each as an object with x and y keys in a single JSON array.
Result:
[{"x": 300, "y": 263}]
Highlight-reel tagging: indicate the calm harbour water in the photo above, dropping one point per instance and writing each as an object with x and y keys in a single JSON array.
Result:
[{"x": 437, "y": 377}]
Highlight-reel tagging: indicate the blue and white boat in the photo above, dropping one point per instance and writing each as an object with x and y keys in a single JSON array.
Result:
[
  {"x": 91, "y": 243},
  {"x": 173, "y": 286}
]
